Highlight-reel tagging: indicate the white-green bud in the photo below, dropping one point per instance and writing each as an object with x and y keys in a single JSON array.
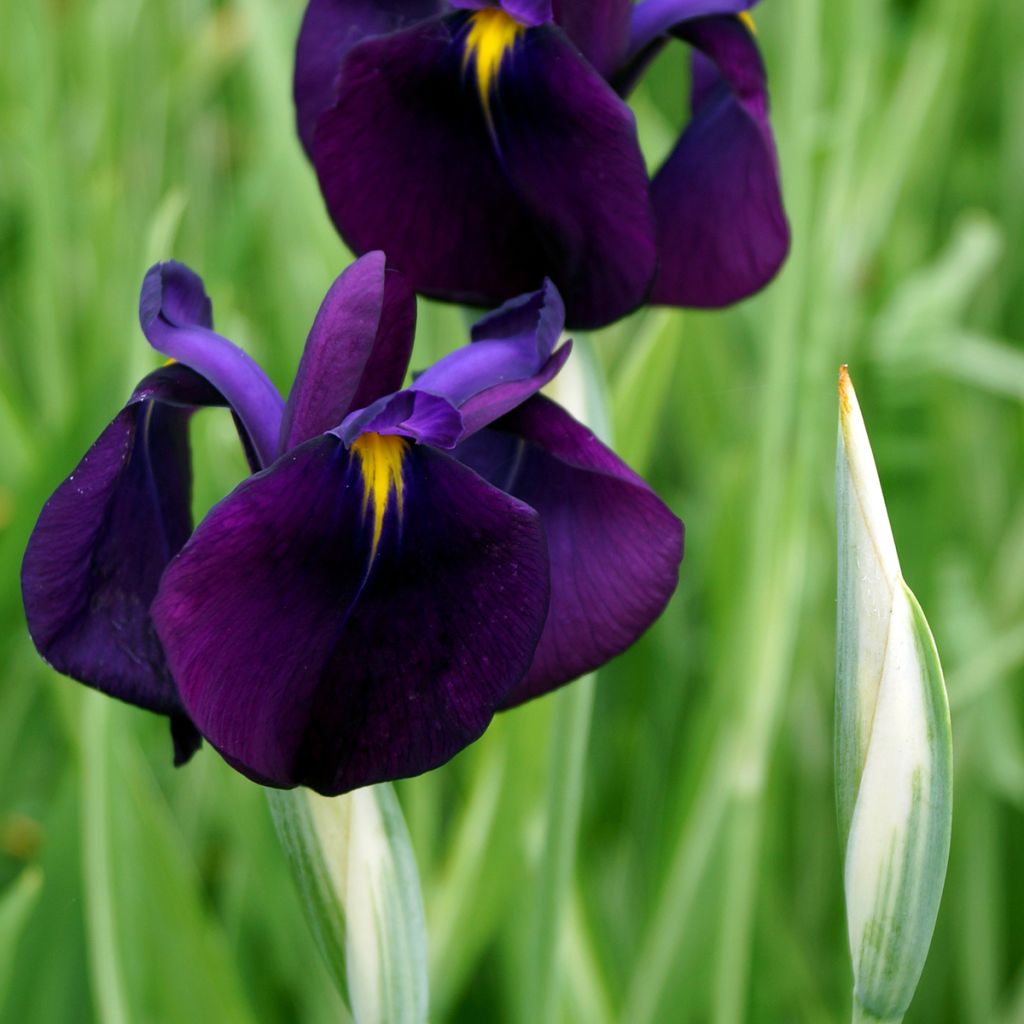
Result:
[
  {"x": 893, "y": 742},
  {"x": 356, "y": 871}
]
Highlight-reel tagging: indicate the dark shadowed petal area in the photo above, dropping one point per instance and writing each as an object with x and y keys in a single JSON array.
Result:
[
  {"x": 653, "y": 18},
  {"x": 722, "y": 229},
  {"x": 570, "y": 149},
  {"x": 613, "y": 545},
  {"x": 175, "y": 316},
  {"x": 302, "y": 667},
  {"x": 94, "y": 560},
  {"x": 600, "y": 28},
  {"x": 330, "y": 28},
  {"x": 358, "y": 349},
  {"x": 408, "y": 163}
]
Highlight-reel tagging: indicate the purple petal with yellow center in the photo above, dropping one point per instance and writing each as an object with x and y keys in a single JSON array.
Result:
[
  {"x": 95, "y": 557},
  {"x": 614, "y": 547},
  {"x": 476, "y": 196},
  {"x": 330, "y": 28},
  {"x": 318, "y": 642},
  {"x": 358, "y": 349},
  {"x": 722, "y": 229},
  {"x": 176, "y": 318}
]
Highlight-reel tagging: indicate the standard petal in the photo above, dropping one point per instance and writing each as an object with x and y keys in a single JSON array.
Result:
[
  {"x": 358, "y": 349},
  {"x": 317, "y": 644},
  {"x": 722, "y": 229},
  {"x": 176, "y": 319},
  {"x": 600, "y": 28},
  {"x": 330, "y": 28},
  {"x": 509, "y": 359},
  {"x": 477, "y": 201},
  {"x": 103, "y": 539},
  {"x": 652, "y": 19},
  {"x": 613, "y": 545}
]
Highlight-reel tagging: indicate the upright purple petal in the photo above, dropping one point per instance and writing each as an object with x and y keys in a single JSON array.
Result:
[
  {"x": 653, "y": 18},
  {"x": 358, "y": 349},
  {"x": 613, "y": 545},
  {"x": 317, "y": 644},
  {"x": 175, "y": 316},
  {"x": 600, "y": 28},
  {"x": 330, "y": 28},
  {"x": 103, "y": 539},
  {"x": 477, "y": 205},
  {"x": 509, "y": 359},
  {"x": 722, "y": 229}
]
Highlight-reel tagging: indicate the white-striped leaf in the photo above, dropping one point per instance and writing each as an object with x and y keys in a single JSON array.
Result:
[{"x": 356, "y": 871}]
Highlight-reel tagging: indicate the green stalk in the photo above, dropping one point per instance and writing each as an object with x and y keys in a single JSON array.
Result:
[
  {"x": 108, "y": 984},
  {"x": 569, "y": 735}
]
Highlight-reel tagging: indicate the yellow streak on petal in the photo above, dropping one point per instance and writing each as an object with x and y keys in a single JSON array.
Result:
[
  {"x": 380, "y": 460},
  {"x": 492, "y": 33},
  {"x": 748, "y": 19}
]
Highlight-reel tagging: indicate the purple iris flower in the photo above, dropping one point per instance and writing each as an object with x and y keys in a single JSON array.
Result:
[
  {"x": 402, "y": 563},
  {"x": 485, "y": 145}
]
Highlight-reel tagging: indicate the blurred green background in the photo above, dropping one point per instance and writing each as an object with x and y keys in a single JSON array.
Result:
[{"x": 707, "y": 882}]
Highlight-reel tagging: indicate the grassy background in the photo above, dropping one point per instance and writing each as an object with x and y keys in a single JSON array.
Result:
[{"x": 707, "y": 882}]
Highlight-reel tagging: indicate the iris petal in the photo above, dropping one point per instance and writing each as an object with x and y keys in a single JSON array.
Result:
[
  {"x": 304, "y": 663},
  {"x": 95, "y": 557},
  {"x": 614, "y": 547},
  {"x": 330, "y": 28},
  {"x": 478, "y": 213},
  {"x": 526, "y": 12},
  {"x": 358, "y": 349},
  {"x": 175, "y": 316},
  {"x": 600, "y": 28},
  {"x": 653, "y": 18},
  {"x": 722, "y": 229}
]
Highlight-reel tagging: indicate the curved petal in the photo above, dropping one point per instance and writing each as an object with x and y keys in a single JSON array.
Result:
[
  {"x": 600, "y": 28},
  {"x": 614, "y": 546},
  {"x": 95, "y": 557},
  {"x": 525, "y": 12},
  {"x": 358, "y": 349},
  {"x": 314, "y": 643},
  {"x": 176, "y": 318},
  {"x": 429, "y": 419},
  {"x": 722, "y": 229},
  {"x": 653, "y": 18},
  {"x": 330, "y": 28},
  {"x": 510, "y": 359},
  {"x": 477, "y": 201}
]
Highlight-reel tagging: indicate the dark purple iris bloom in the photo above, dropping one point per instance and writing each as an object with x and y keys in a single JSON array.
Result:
[
  {"x": 402, "y": 563},
  {"x": 484, "y": 145}
]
